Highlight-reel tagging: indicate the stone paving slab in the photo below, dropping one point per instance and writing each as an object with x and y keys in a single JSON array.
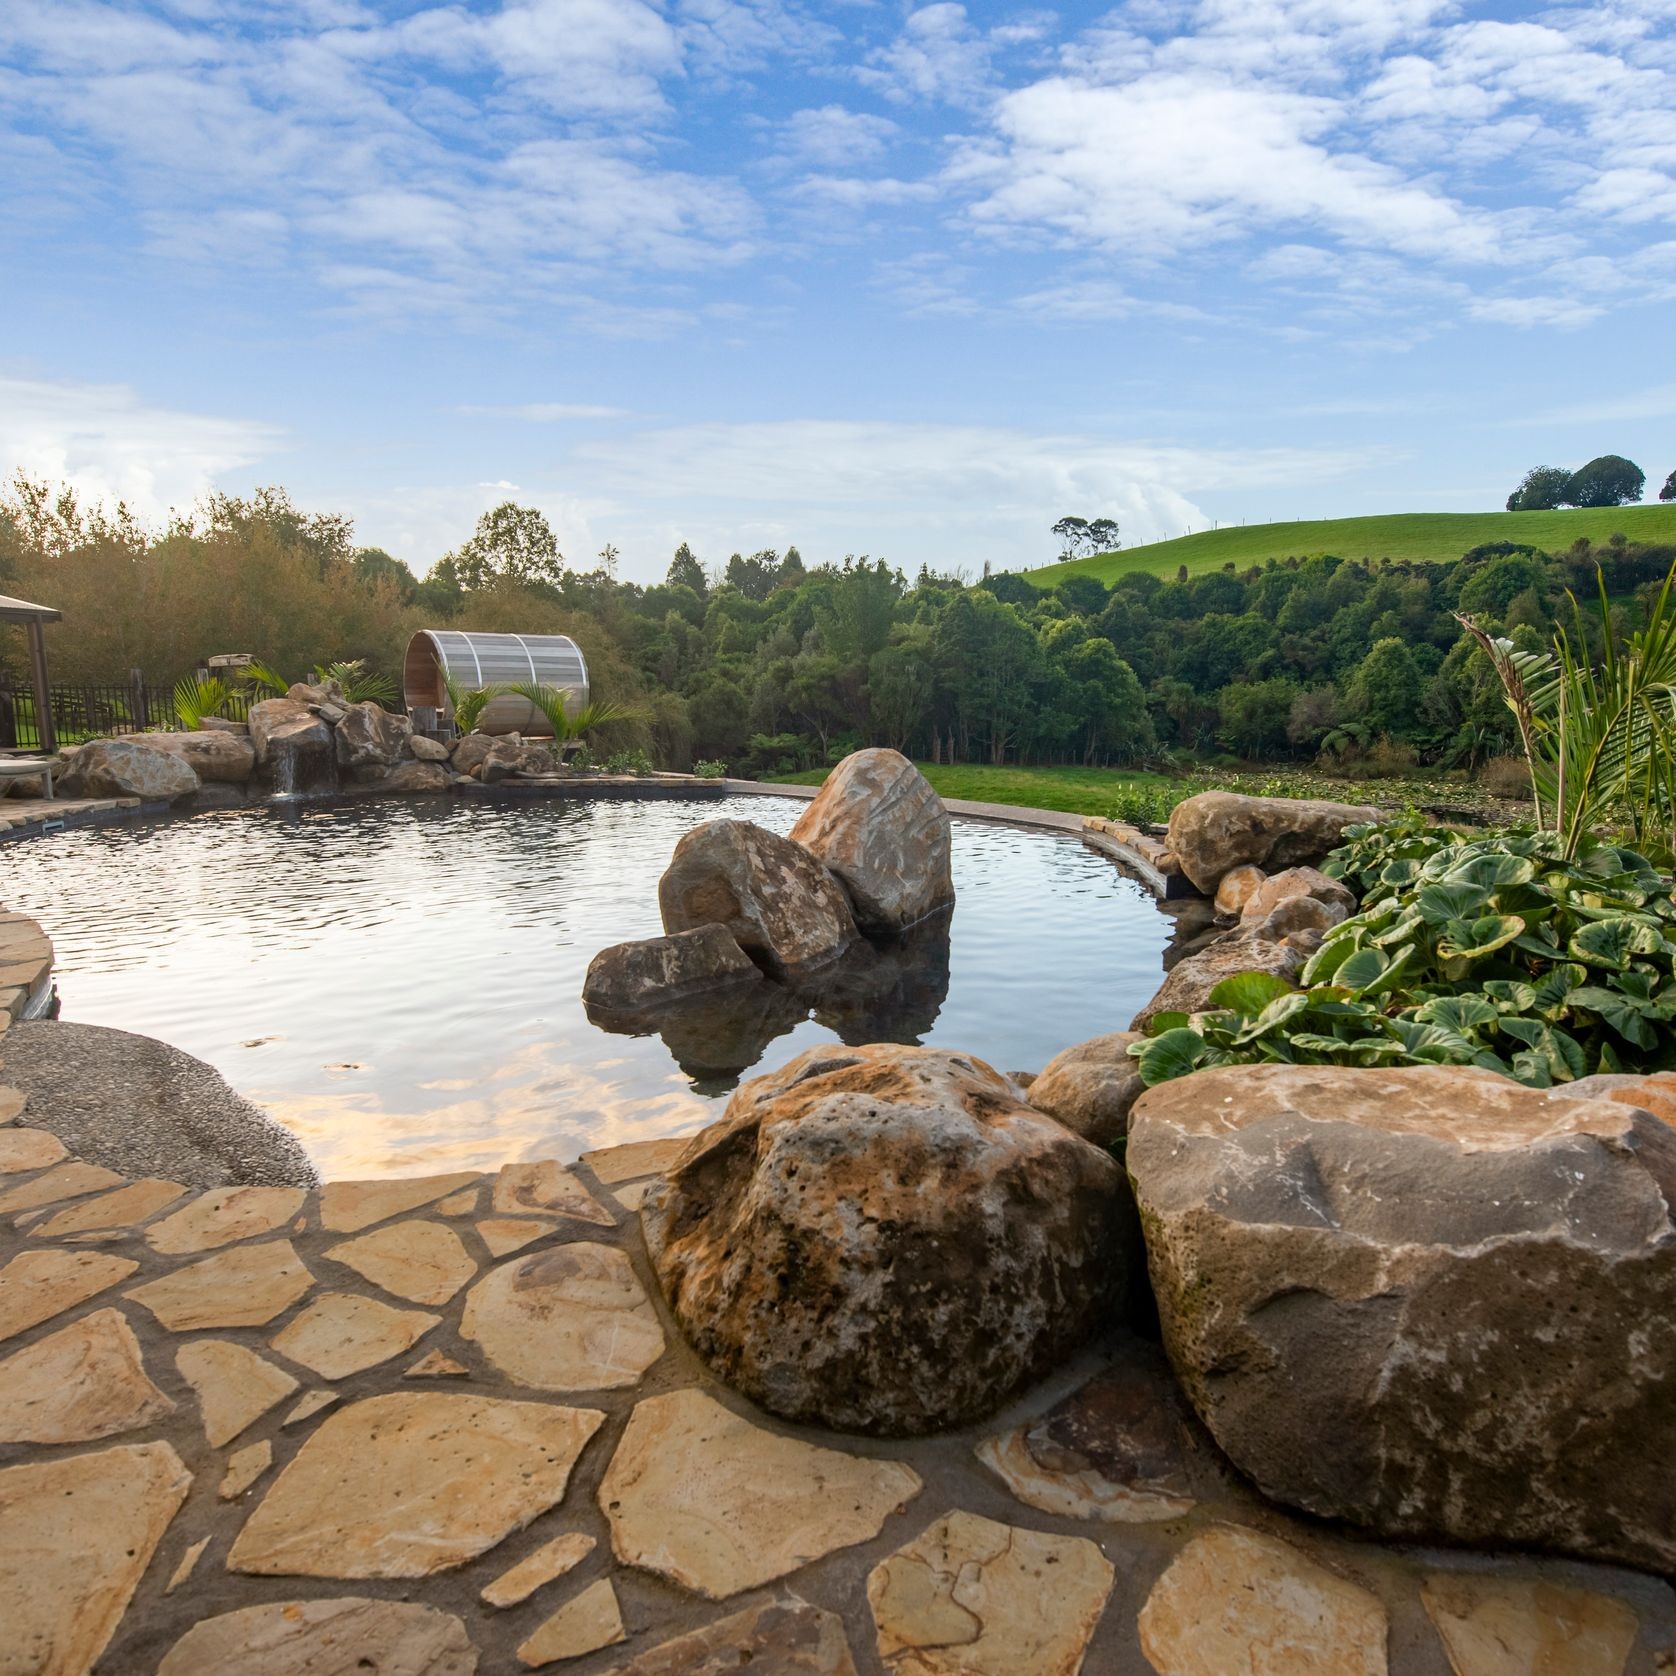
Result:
[{"x": 547, "y": 1477}]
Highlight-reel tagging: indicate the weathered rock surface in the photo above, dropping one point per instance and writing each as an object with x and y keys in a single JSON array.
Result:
[
  {"x": 1091, "y": 1087},
  {"x": 699, "y": 1495},
  {"x": 970, "y": 1597},
  {"x": 223, "y": 1216},
  {"x": 880, "y": 829},
  {"x": 423, "y": 1262},
  {"x": 37, "y": 1285},
  {"x": 469, "y": 751},
  {"x": 73, "y": 1179},
  {"x": 246, "y": 1286},
  {"x": 411, "y": 1483},
  {"x": 1187, "y": 984},
  {"x": 630, "y": 976},
  {"x": 782, "y": 907},
  {"x": 244, "y": 1467},
  {"x": 293, "y": 745},
  {"x": 1296, "y": 882},
  {"x": 122, "y": 1208},
  {"x": 32, "y": 1149},
  {"x": 346, "y": 1207},
  {"x": 1519, "y": 1626},
  {"x": 550, "y": 1560},
  {"x": 340, "y": 1334},
  {"x": 507, "y": 757},
  {"x": 215, "y": 756},
  {"x": 369, "y": 736},
  {"x": 84, "y": 1381},
  {"x": 416, "y": 778},
  {"x": 1238, "y": 886},
  {"x": 571, "y": 1318},
  {"x": 1238, "y": 1600},
  {"x": 234, "y": 1386},
  {"x": 1219, "y": 830},
  {"x": 76, "y": 1536},
  {"x": 325, "y": 1638},
  {"x": 1474, "y": 1277},
  {"x": 1117, "y": 1449},
  {"x": 582, "y": 1625},
  {"x": 426, "y": 749},
  {"x": 127, "y": 768},
  {"x": 886, "y": 1239},
  {"x": 785, "y": 1637}
]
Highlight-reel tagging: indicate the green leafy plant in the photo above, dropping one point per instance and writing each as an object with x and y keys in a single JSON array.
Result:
[
  {"x": 1502, "y": 952},
  {"x": 632, "y": 761},
  {"x": 569, "y": 724},
  {"x": 265, "y": 678},
  {"x": 359, "y": 683},
  {"x": 467, "y": 704},
  {"x": 707, "y": 768},
  {"x": 1600, "y": 739},
  {"x": 195, "y": 699}
]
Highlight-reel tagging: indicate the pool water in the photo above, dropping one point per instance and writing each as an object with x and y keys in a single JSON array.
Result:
[{"x": 399, "y": 983}]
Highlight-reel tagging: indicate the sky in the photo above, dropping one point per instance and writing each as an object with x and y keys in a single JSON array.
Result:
[{"x": 863, "y": 277}]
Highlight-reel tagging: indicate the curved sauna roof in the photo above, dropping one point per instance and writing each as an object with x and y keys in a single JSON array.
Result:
[{"x": 476, "y": 660}]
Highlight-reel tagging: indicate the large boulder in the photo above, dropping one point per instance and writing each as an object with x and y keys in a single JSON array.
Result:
[
  {"x": 1219, "y": 830},
  {"x": 643, "y": 974},
  {"x": 1187, "y": 984},
  {"x": 881, "y": 830},
  {"x": 1238, "y": 886},
  {"x": 1091, "y": 1088},
  {"x": 886, "y": 1239},
  {"x": 211, "y": 754},
  {"x": 426, "y": 749},
  {"x": 1430, "y": 1301},
  {"x": 1295, "y": 884},
  {"x": 416, "y": 777},
  {"x": 127, "y": 768},
  {"x": 293, "y": 745},
  {"x": 511, "y": 755},
  {"x": 369, "y": 736},
  {"x": 783, "y": 908},
  {"x": 469, "y": 751}
]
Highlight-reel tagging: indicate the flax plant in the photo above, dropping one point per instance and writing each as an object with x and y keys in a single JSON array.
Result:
[{"x": 1598, "y": 737}]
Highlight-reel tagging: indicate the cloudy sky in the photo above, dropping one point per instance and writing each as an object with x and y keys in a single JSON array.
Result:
[{"x": 909, "y": 282}]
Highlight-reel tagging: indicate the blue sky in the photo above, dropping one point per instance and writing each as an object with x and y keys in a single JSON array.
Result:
[{"x": 910, "y": 282}]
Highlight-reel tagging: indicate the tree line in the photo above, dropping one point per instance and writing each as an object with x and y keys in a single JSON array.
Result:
[{"x": 767, "y": 663}]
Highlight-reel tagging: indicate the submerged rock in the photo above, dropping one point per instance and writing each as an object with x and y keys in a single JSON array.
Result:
[
  {"x": 1429, "y": 1301},
  {"x": 128, "y": 768},
  {"x": 1217, "y": 831},
  {"x": 886, "y": 1239},
  {"x": 881, "y": 830},
  {"x": 631, "y": 976},
  {"x": 782, "y": 907}
]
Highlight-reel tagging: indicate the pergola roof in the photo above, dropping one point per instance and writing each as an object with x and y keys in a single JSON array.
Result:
[{"x": 21, "y": 611}]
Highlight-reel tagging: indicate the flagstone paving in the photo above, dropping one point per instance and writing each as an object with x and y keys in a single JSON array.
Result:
[{"x": 446, "y": 1427}]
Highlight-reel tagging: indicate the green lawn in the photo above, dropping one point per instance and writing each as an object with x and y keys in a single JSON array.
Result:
[
  {"x": 1078, "y": 791},
  {"x": 1424, "y": 537}
]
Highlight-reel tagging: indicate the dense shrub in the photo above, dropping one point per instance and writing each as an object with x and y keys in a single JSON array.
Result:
[{"x": 1492, "y": 951}]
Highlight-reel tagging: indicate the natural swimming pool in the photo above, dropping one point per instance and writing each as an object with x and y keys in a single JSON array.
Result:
[{"x": 399, "y": 983}]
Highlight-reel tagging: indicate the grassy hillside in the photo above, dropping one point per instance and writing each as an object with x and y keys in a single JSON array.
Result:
[{"x": 1424, "y": 537}]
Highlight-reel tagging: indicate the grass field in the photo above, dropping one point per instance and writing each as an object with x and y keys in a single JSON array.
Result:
[
  {"x": 1132, "y": 795},
  {"x": 1423, "y": 537}
]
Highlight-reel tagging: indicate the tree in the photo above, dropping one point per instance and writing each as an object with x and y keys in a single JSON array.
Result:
[
  {"x": 511, "y": 543},
  {"x": 1085, "y": 594},
  {"x": 755, "y": 577},
  {"x": 1386, "y": 689},
  {"x": 1668, "y": 492},
  {"x": 1107, "y": 702},
  {"x": 1541, "y": 489},
  {"x": 1102, "y": 535},
  {"x": 1072, "y": 533},
  {"x": 1255, "y": 714},
  {"x": 1610, "y": 480},
  {"x": 686, "y": 572}
]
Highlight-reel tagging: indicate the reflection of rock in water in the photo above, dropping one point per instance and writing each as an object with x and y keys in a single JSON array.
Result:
[
  {"x": 715, "y": 1037},
  {"x": 888, "y": 991}
]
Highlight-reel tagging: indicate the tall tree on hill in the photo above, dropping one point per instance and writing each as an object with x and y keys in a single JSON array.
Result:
[
  {"x": 1386, "y": 689},
  {"x": 511, "y": 543},
  {"x": 1668, "y": 492},
  {"x": 686, "y": 572},
  {"x": 1541, "y": 489},
  {"x": 1073, "y": 536},
  {"x": 1609, "y": 480}
]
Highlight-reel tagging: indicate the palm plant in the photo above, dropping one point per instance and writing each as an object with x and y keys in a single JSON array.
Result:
[
  {"x": 358, "y": 682},
  {"x": 567, "y": 724},
  {"x": 1597, "y": 738},
  {"x": 265, "y": 678},
  {"x": 468, "y": 703},
  {"x": 196, "y": 698}
]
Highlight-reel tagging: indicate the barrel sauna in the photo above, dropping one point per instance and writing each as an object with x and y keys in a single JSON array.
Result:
[{"x": 485, "y": 660}]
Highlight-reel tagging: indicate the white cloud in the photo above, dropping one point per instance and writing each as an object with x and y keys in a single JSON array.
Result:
[
  {"x": 939, "y": 56},
  {"x": 548, "y": 413},
  {"x": 111, "y": 445},
  {"x": 833, "y": 137},
  {"x": 1534, "y": 311}
]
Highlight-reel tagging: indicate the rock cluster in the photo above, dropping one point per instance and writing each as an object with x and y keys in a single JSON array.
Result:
[
  {"x": 1218, "y": 831},
  {"x": 868, "y": 858},
  {"x": 808, "y": 1259}
]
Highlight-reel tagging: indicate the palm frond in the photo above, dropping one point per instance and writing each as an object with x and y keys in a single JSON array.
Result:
[{"x": 195, "y": 699}]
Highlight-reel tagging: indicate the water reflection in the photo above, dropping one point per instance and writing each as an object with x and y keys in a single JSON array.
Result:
[{"x": 400, "y": 984}]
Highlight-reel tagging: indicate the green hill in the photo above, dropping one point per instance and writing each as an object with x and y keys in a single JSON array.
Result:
[{"x": 1421, "y": 537}]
